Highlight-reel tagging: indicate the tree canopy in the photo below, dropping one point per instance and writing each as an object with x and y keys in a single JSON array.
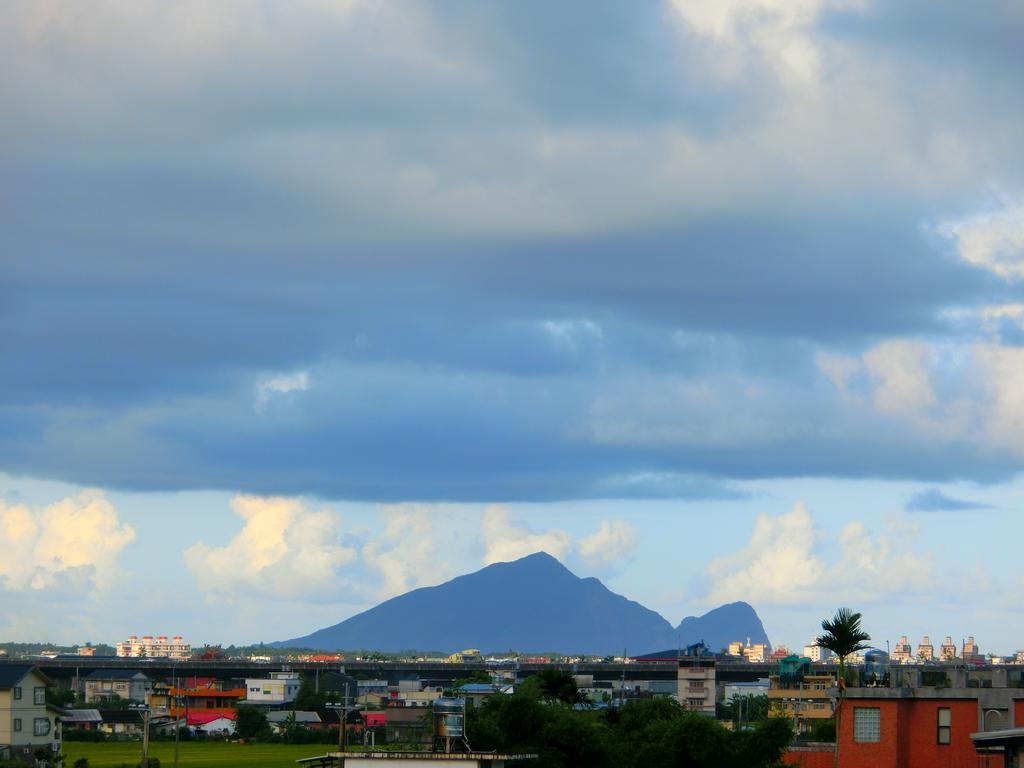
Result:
[{"x": 657, "y": 732}]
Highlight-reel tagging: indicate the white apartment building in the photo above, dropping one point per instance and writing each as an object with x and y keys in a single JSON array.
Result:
[
  {"x": 158, "y": 647},
  {"x": 817, "y": 653},
  {"x": 276, "y": 689}
]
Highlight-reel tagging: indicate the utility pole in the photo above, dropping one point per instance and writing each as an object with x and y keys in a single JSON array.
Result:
[
  {"x": 145, "y": 738},
  {"x": 342, "y": 708},
  {"x": 176, "y": 707},
  {"x": 144, "y": 710}
]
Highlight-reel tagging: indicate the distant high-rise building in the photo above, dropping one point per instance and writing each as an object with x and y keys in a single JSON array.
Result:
[
  {"x": 902, "y": 653},
  {"x": 971, "y": 651},
  {"x": 947, "y": 651},
  {"x": 926, "y": 651}
]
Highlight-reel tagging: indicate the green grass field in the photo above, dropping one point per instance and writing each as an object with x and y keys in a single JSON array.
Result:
[{"x": 192, "y": 754}]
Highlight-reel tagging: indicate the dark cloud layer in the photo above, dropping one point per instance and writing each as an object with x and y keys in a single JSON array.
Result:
[{"x": 516, "y": 251}]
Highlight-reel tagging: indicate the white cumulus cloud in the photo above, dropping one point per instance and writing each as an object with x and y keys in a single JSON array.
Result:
[
  {"x": 992, "y": 241},
  {"x": 72, "y": 544},
  {"x": 783, "y": 564},
  {"x": 612, "y": 540},
  {"x": 405, "y": 555},
  {"x": 284, "y": 550},
  {"x": 504, "y": 540}
]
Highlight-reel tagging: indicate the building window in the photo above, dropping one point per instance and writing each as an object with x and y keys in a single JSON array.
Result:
[
  {"x": 867, "y": 725},
  {"x": 41, "y": 726},
  {"x": 39, "y": 695},
  {"x": 945, "y": 725},
  {"x": 17, "y": 723},
  {"x": 17, "y": 692}
]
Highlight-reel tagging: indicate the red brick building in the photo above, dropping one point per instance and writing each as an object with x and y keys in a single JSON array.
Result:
[{"x": 922, "y": 727}]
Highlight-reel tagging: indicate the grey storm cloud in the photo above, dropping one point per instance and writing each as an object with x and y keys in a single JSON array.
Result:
[{"x": 515, "y": 250}]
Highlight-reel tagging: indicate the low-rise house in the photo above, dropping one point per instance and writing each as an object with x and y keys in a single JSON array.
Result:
[
  {"x": 87, "y": 719},
  {"x": 408, "y": 725},
  {"x": 121, "y": 722},
  {"x": 375, "y": 700},
  {"x": 279, "y": 719},
  {"x": 27, "y": 722},
  {"x": 278, "y": 688},
  {"x": 476, "y": 694},
  {"x": 105, "y": 684},
  {"x": 212, "y": 723},
  {"x": 212, "y": 698}
]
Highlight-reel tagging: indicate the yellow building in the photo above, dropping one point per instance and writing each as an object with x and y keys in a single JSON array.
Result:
[
  {"x": 467, "y": 656},
  {"x": 796, "y": 694}
]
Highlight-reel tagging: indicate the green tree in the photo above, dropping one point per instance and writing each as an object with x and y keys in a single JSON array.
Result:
[
  {"x": 478, "y": 677},
  {"x": 251, "y": 722},
  {"x": 655, "y": 733},
  {"x": 560, "y": 686},
  {"x": 842, "y": 635},
  {"x": 746, "y": 709},
  {"x": 60, "y": 697},
  {"x": 307, "y": 699}
]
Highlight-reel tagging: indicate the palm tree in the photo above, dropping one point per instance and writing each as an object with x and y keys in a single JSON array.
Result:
[
  {"x": 842, "y": 636},
  {"x": 556, "y": 685}
]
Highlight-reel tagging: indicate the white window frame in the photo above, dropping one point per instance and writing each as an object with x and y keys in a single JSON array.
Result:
[{"x": 867, "y": 725}]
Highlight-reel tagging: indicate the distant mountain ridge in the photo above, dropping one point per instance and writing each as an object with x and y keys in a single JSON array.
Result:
[
  {"x": 531, "y": 604},
  {"x": 722, "y": 625}
]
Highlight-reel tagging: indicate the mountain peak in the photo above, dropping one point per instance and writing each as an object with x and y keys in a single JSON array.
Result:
[
  {"x": 724, "y": 624},
  {"x": 534, "y": 603},
  {"x": 539, "y": 559}
]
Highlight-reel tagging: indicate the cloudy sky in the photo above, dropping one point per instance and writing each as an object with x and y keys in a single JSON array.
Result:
[{"x": 306, "y": 304}]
